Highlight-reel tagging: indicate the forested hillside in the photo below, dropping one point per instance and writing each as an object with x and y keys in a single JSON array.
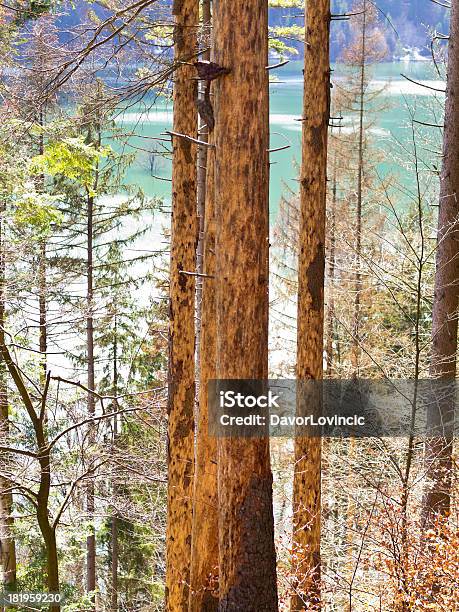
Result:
[{"x": 406, "y": 23}]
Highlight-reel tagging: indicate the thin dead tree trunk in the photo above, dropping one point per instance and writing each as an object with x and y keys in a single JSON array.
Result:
[
  {"x": 331, "y": 271},
  {"x": 404, "y": 565},
  {"x": 247, "y": 559},
  {"x": 311, "y": 268},
  {"x": 7, "y": 541},
  {"x": 90, "y": 505},
  {"x": 201, "y": 190},
  {"x": 204, "y": 553},
  {"x": 114, "y": 521},
  {"x": 42, "y": 275},
  {"x": 204, "y": 550},
  {"x": 358, "y": 221},
  {"x": 184, "y": 234},
  {"x": 42, "y": 289},
  {"x": 446, "y": 296}
]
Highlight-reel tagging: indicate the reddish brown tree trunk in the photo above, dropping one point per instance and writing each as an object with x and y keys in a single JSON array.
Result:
[
  {"x": 246, "y": 532},
  {"x": 182, "y": 312},
  {"x": 201, "y": 189},
  {"x": 204, "y": 554},
  {"x": 446, "y": 296},
  {"x": 311, "y": 265}
]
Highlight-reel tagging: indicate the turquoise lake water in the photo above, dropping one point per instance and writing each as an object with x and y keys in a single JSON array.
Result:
[{"x": 389, "y": 131}]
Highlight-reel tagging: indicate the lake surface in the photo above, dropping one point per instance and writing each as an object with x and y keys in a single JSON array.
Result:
[{"x": 389, "y": 131}]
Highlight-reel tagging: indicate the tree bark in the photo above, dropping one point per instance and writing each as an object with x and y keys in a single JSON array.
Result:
[
  {"x": 91, "y": 538},
  {"x": 358, "y": 220},
  {"x": 201, "y": 195},
  {"x": 446, "y": 296},
  {"x": 204, "y": 549},
  {"x": 48, "y": 530},
  {"x": 311, "y": 266},
  {"x": 247, "y": 560},
  {"x": 182, "y": 312},
  {"x": 331, "y": 272},
  {"x": 7, "y": 542},
  {"x": 42, "y": 275},
  {"x": 114, "y": 521},
  {"x": 52, "y": 563},
  {"x": 204, "y": 553}
]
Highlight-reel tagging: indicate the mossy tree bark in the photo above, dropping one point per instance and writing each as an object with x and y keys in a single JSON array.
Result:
[
  {"x": 311, "y": 265},
  {"x": 247, "y": 562},
  {"x": 182, "y": 311}
]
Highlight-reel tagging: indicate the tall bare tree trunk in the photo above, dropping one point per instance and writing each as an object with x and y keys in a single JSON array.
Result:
[
  {"x": 358, "y": 221},
  {"x": 204, "y": 553},
  {"x": 114, "y": 521},
  {"x": 204, "y": 559},
  {"x": 42, "y": 275},
  {"x": 247, "y": 559},
  {"x": 446, "y": 296},
  {"x": 90, "y": 507},
  {"x": 201, "y": 189},
  {"x": 42, "y": 307},
  {"x": 311, "y": 266},
  {"x": 7, "y": 542},
  {"x": 331, "y": 272},
  {"x": 182, "y": 312}
]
